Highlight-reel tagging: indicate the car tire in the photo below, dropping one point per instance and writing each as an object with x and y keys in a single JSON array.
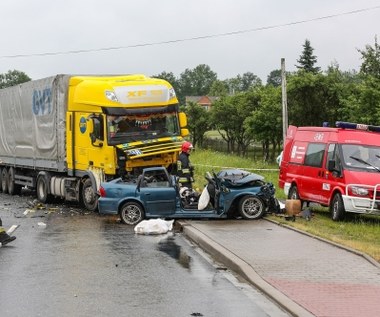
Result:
[
  {"x": 131, "y": 213},
  {"x": 337, "y": 208},
  {"x": 251, "y": 207}
]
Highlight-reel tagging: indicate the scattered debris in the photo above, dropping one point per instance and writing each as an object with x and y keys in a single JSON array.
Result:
[{"x": 12, "y": 229}]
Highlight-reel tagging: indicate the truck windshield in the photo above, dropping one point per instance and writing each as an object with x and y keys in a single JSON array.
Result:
[
  {"x": 136, "y": 127},
  {"x": 362, "y": 157}
]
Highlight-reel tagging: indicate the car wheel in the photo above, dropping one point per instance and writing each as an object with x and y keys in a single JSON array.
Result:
[
  {"x": 337, "y": 208},
  {"x": 13, "y": 189},
  {"x": 131, "y": 213},
  {"x": 251, "y": 207},
  {"x": 4, "y": 177},
  {"x": 89, "y": 196},
  {"x": 293, "y": 193}
]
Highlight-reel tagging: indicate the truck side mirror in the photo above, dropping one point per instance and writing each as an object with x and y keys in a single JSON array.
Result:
[
  {"x": 93, "y": 140},
  {"x": 182, "y": 119}
]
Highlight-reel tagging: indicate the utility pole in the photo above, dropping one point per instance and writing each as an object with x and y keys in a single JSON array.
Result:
[{"x": 284, "y": 102}]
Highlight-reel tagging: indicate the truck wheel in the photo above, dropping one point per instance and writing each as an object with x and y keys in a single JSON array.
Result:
[
  {"x": 293, "y": 193},
  {"x": 13, "y": 189},
  {"x": 131, "y": 213},
  {"x": 251, "y": 207},
  {"x": 4, "y": 177},
  {"x": 42, "y": 190},
  {"x": 337, "y": 208},
  {"x": 89, "y": 196}
]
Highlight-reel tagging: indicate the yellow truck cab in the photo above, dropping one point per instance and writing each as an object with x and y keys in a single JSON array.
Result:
[{"x": 74, "y": 132}]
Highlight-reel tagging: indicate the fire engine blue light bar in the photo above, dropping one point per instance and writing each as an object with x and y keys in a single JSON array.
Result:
[{"x": 357, "y": 126}]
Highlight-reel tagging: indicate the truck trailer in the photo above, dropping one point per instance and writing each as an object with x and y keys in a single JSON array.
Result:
[{"x": 64, "y": 135}]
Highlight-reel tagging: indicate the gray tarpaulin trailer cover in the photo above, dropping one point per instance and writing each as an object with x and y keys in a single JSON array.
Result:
[{"x": 32, "y": 123}]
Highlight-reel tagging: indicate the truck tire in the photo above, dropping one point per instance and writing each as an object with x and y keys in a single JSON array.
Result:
[
  {"x": 4, "y": 177},
  {"x": 337, "y": 208},
  {"x": 131, "y": 213},
  {"x": 42, "y": 190},
  {"x": 251, "y": 207},
  {"x": 89, "y": 196},
  {"x": 13, "y": 189},
  {"x": 1, "y": 182}
]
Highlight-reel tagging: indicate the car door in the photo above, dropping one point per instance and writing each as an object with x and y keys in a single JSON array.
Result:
[
  {"x": 158, "y": 201},
  {"x": 314, "y": 173},
  {"x": 158, "y": 194}
]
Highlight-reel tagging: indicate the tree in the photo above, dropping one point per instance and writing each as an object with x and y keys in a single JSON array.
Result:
[
  {"x": 265, "y": 123},
  {"x": 274, "y": 78},
  {"x": 371, "y": 60},
  {"x": 12, "y": 78},
  {"x": 307, "y": 60},
  {"x": 198, "y": 122},
  {"x": 243, "y": 83},
  {"x": 307, "y": 95},
  {"x": 228, "y": 115},
  {"x": 221, "y": 109},
  {"x": 196, "y": 82},
  {"x": 219, "y": 88}
]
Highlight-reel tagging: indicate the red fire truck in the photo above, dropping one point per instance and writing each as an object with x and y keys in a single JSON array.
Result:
[{"x": 335, "y": 167}]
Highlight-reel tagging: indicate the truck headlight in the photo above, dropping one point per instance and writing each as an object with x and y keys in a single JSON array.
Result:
[
  {"x": 110, "y": 95},
  {"x": 171, "y": 93},
  {"x": 360, "y": 191}
]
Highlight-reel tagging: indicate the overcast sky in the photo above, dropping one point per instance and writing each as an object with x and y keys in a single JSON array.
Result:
[{"x": 270, "y": 31}]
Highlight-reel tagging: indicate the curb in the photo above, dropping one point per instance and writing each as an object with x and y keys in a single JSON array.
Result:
[{"x": 241, "y": 267}]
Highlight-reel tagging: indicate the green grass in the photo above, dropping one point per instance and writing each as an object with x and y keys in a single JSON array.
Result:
[
  {"x": 208, "y": 161},
  {"x": 358, "y": 232}
]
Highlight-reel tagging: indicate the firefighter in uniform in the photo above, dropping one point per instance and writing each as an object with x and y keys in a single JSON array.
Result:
[{"x": 184, "y": 168}]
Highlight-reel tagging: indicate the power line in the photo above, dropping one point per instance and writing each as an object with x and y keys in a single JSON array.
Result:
[{"x": 193, "y": 38}]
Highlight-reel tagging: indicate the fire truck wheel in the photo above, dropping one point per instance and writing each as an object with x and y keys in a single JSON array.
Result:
[
  {"x": 251, "y": 207},
  {"x": 131, "y": 213},
  {"x": 4, "y": 177},
  {"x": 89, "y": 196},
  {"x": 13, "y": 189},
  {"x": 293, "y": 193},
  {"x": 337, "y": 208}
]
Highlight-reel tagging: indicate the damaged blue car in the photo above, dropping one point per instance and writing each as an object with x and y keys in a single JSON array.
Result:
[{"x": 157, "y": 194}]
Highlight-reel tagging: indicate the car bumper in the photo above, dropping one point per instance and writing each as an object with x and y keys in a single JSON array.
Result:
[{"x": 108, "y": 206}]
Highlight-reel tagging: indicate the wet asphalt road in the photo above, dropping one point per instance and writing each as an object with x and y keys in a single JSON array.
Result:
[{"x": 83, "y": 264}]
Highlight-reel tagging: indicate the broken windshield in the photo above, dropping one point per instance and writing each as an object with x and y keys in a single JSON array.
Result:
[{"x": 138, "y": 127}]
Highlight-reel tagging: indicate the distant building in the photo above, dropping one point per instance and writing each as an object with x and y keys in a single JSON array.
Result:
[{"x": 204, "y": 101}]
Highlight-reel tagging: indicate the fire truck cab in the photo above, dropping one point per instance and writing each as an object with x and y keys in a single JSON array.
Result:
[{"x": 335, "y": 167}]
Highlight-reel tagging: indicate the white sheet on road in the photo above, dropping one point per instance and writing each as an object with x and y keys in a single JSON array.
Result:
[{"x": 154, "y": 226}]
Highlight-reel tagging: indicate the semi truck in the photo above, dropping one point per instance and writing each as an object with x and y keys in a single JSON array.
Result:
[{"x": 63, "y": 135}]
